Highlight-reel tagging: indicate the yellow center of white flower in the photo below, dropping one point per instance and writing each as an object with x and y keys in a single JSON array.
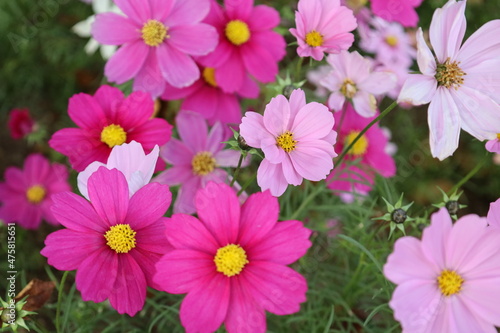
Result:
[
  {"x": 237, "y": 32},
  {"x": 35, "y": 194},
  {"x": 113, "y": 135},
  {"x": 360, "y": 147},
  {"x": 449, "y": 74},
  {"x": 120, "y": 238},
  {"x": 391, "y": 40},
  {"x": 203, "y": 163},
  {"x": 348, "y": 88},
  {"x": 449, "y": 282},
  {"x": 230, "y": 260},
  {"x": 209, "y": 76},
  {"x": 286, "y": 141},
  {"x": 154, "y": 32},
  {"x": 314, "y": 39}
]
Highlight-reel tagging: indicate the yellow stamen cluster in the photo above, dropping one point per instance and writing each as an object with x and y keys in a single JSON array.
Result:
[
  {"x": 449, "y": 74},
  {"x": 348, "y": 88},
  {"x": 360, "y": 147},
  {"x": 113, "y": 135},
  {"x": 120, "y": 238},
  {"x": 498, "y": 136},
  {"x": 154, "y": 33},
  {"x": 449, "y": 282},
  {"x": 286, "y": 141},
  {"x": 209, "y": 76},
  {"x": 314, "y": 39},
  {"x": 230, "y": 260},
  {"x": 237, "y": 32},
  {"x": 35, "y": 194},
  {"x": 203, "y": 163},
  {"x": 391, "y": 40}
]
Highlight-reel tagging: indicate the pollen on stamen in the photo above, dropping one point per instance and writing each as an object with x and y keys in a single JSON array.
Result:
[
  {"x": 449, "y": 74},
  {"x": 286, "y": 141}
]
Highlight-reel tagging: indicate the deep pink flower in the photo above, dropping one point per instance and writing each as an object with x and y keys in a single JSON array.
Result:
[
  {"x": 232, "y": 261},
  {"x": 450, "y": 280},
  {"x": 158, "y": 39},
  {"x": 105, "y": 120},
  {"x": 26, "y": 195},
  {"x": 402, "y": 11},
  {"x": 460, "y": 82},
  {"x": 369, "y": 151},
  {"x": 20, "y": 123},
  {"x": 208, "y": 99},
  {"x": 297, "y": 140},
  {"x": 247, "y": 45},
  {"x": 196, "y": 160},
  {"x": 112, "y": 241},
  {"x": 323, "y": 26}
]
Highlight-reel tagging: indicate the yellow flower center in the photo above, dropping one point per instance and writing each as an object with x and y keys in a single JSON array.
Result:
[
  {"x": 450, "y": 282},
  {"x": 35, "y": 194},
  {"x": 113, "y": 135},
  {"x": 154, "y": 32},
  {"x": 314, "y": 39},
  {"x": 360, "y": 147},
  {"x": 391, "y": 40},
  {"x": 498, "y": 136},
  {"x": 203, "y": 163},
  {"x": 286, "y": 141},
  {"x": 237, "y": 32},
  {"x": 120, "y": 238},
  {"x": 209, "y": 76},
  {"x": 449, "y": 74},
  {"x": 230, "y": 260},
  {"x": 348, "y": 88}
]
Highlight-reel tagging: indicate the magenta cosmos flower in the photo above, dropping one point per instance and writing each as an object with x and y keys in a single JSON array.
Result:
[
  {"x": 402, "y": 11},
  {"x": 20, "y": 123},
  {"x": 158, "y": 39},
  {"x": 460, "y": 82},
  {"x": 450, "y": 280},
  {"x": 297, "y": 140},
  {"x": 323, "y": 26},
  {"x": 196, "y": 160},
  {"x": 26, "y": 195},
  {"x": 207, "y": 98},
  {"x": 367, "y": 157},
  {"x": 352, "y": 78},
  {"x": 247, "y": 44},
  {"x": 232, "y": 261},
  {"x": 118, "y": 240},
  {"x": 105, "y": 120}
]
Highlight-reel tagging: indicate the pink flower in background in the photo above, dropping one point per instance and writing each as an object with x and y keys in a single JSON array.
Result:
[
  {"x": 297, "y": 140},
  {"x": 247, "y": 44},
  {"x": 494, "y": 215},
  {"x": 352, "y": 78},
  {"x": 460, "y": 82},
  {"x": 20, "y": 123},
  {"x": 231, "y": 261},
  {"x": 113, "y": 242},
  {"x": 196, "y": 160},
  {"x": 26, "y": 195},
  {"x": 493, "y": 146},
  {"x": 105, "y": 120},
  {"x": 450, "y": 280},
  {"x": 323, "y": 26},
  {"x": 158, "y": 39},
  {"x": 129, "y": 159},
  {"x": 402, "y": 11},
  {"x": 208, "y": 99},
  {"x": 369, "y": 152}
]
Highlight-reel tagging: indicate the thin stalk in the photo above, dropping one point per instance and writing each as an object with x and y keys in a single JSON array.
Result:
[
  {"x": 469, "y": 175},
  {"x": 59, "y": 298},
  {"x": 298, "y": 69},
  {"x": 237, "y": 171}
]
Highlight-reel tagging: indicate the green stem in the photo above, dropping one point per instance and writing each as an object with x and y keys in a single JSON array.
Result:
[
  {"x": 250, "y": 181},
  {"x": 469, "y": 175},
  {"x": 237, "y": 171},
  {"x": 59, "y": 297},
  {"x": 298, "y": 69}
]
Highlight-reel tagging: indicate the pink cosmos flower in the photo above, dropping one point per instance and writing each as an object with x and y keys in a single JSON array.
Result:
[
  {"x": 450, "y": 280},
  {"x": 247, "y": 45},
  {"x": 105, "y": 120},
  {"x": 20, "y": 123},
  {"x": 494, "y": 214},
  {"x": 26, "y": 195},
  {"x": 402, "y": 11},
  {"x": 158, "y": 39},
  {"x": 461, "y": 84},
  {"x": 196, "y": 159},
  {"x": 119, "y": 240},
  {"x": 208, "y": 99},
  {"x": 353, "y": 78},
  {"x": 493, "y": 146},
  {"x": 129, "y": 159},
  {"x": 323, "y": 26},
  {"x": 232, "y": 261},
  {"x": 357, "y": 178},
  {"x": 296, "y": 138}
]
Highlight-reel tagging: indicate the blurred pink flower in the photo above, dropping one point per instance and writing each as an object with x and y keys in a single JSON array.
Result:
[
  {"x": 20, "y": 123},
  {"x": 231, "y": 261},
  {"x": 353, "y": 78},
  {"x": 105, "y": 120},
  {"x": 297, "y": 140},
  {"x": 112, "y": 242},
  {"x": 450, "y": 280},
  {"x": 26, "y": 195},
  {"x": 247, "y": 44},
  {"x": 460, "y": 83},
  {"x": 494, "y": 214},
  {"x": 323, "y": 26},
  {"x": 196, "y": 160},
  {"x": 158, "y": 39},
  {"x": 402, "y": 11},
  {"x": 493, "y": 146}
]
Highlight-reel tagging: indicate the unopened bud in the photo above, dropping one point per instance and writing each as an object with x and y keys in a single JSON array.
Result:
[{"x": 398, "y": 216}]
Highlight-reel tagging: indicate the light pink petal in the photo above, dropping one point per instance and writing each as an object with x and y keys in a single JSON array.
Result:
[
  {"x": 291, "y": 175},
  {"x": 297, "y": 102},
  {"x": 114, "y": 29},
  {"x": 365, "y": 104},
  {"x": 435, "y": 238},
  {"x": 174, "y": 176},
  {"x": 482, "y": 45},
  {"x": 277, "y": 115},
  {"x": 76, "y": 213},
  {"x": 313, "y": 159},
  {"x": 149, "y": 77},
  {"x": 263, "y": 18},
  {"x": 447, "y": 30},
  {"x": 178, "y": 68},
  {"x": 193, "y": 130},
  {"x": 227, "y": 158},
  {"x": 187, "y": 12},
  {"x": 313, "y": 121},
  {"x": 187, "y": 232},
  {"x": 137, "y": 10},
  {"x": 185, "y": 202},
  {"x": 481, "y": 297},
  {"x": 425, "y": 58},
  {"x": 494, "y": 214},
  {"x": 215, "y": 138},
  {"x": 465, "y": 317},
  {"x": 147, "y": 205},
  {"x": 418, "y": 89},
  {"x": 493, "y": 146},
  {"x": 126, "y": 62},
  {"x": 175, "y": 152},
  {"x": 271, "y": 177},
  {"x": 85, "y": 111},
  {"x": 259, "y": 62},
  {"x": 378, "y": 83},
  {"x": 336, "y": 101},
  {"x": 96, "y": 275},
  {"x": 253, "y": 130},
  {"x": 198, "y": 39}
]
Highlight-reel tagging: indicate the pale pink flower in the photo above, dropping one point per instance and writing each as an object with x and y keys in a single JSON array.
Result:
[
  {"x": 450, "y": 280},
  {"x": 323, "y": 26},
  {"x": 461, "y": 82},
  {"x": 297, "y": 140},
  {"x": 353, "y": 78},
  {"x": 493, "y": 146},
  {"x": 494, "y": 214},
  {"x": 402, "y": 11}
]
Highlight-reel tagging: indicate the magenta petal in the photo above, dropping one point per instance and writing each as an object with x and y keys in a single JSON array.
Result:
[
  {"x": 96, "y": 275},
  {"x": 160, "y": 9},
  {"x": 198, "y": 39},
  {"x": 135, "y": 110},
  {"x": 114, "y": 29},
  {"x": 259, "y": 215},
  {"x": 85, "y": 111},
  {"x": 154, "y": 132},
  {"x": 193, "y": 131},
  {"x": 137, "y": 10},
  {"x": 153, "y": 238},
  {"x": 147, "y": 261},
  {"x": 126, "y": 62},
  {"x": 259, "y": 62},
  {"x": 272, "y": 41},
  {"x": 231, "y": 74},
  {"x": 187, "y": 232},
  {"x": 76, "y": 213},
  {"x": 177, "y": 68},
  {"x": 263, "y": 18},
  {"x": 238, "y": 9},
  {"x": 149, "y": 77},
  {"x": 109, "y": 98},
  {"x": 147, "y": 205}
]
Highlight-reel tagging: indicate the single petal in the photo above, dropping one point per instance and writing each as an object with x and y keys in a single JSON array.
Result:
[
  {"x": 482, "y": 45},
  {"x": 271, "y": 177},
  {"x": 109, "y": 98},
  {"x": 174, "y": 176},
  {"x": 147, "y": 205},
  {"x": 313, "y": 159},
  {"x": 435, "y": 238},
  {"x": 137, "y": 10},
  {"x": 447, "y": 30},
  {"x": 187, "y": 12},
  {"x": 418, "y": 89},
  {"x": 86, "y": 112},
  {"x": 259, "y": 62},
  {"x": 425, "y": 59},
  {"x": 379, "y": 83},
  {"x": 178, "y": 68},
  {"x": 198, "y": 39},
  {"x": 263, "y": 17},
  {"x": 365, "y": 104},
  {"x": 313, "y": 121},
  {"x": 187, "y": 232},
  {"x": 175, "y": 152},
  {"x": 193, "y": 130},
  {"x": 253, "y": 130},
  {"x": 75, "y": 213},
  {"x": 277, "y": 115},
  {"x": 238, "y": 9},
  {"x": 126, "y": 62},
  {"x": 230, "y": 75},
  {"x": 259, "y": 215},
  {"x": 96, "y": 275},
  {"x": 154, "y": 132},
  {"x": 114, "y": 29}
]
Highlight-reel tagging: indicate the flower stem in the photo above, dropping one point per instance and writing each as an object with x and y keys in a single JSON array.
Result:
[
  {"x": 250, "y": 181},
  {"x": 59, "y": 297},
  {"x": 469, "y": 175},
  {"x": 298, "y": 69},
  {"x": 237, "y": 171}
]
